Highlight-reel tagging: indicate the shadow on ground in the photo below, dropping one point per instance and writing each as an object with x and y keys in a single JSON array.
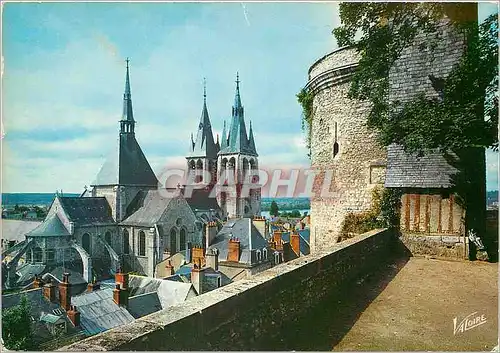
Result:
[{"x": 327, "y": 323}]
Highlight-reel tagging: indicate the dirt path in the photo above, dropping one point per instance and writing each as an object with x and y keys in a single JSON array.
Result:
[{"x": 417, "y": 308}]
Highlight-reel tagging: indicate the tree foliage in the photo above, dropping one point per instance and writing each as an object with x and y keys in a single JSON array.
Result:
[
  {"x": 461, "y": 119},
  {"x": 274, "y": 210},
  {"x": 17, "y": 330},
  {"x": 467, "y": 105}
]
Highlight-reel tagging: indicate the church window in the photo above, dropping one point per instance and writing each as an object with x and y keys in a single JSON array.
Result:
[
  {"x": 182, "y": 241},
  {"x": 264, "y": 252},
  {"x": 51, "y": 255},
  {"x": 173, "y": 241},
  {"x": 37, "y": 254},
  {"x": 126, "y": 244},
  {"x": 142, "y": 243},
  {"x": 86, "y": 243},
  {"x": 107, "y": 237},
  {"x": 259, "y": 256}
]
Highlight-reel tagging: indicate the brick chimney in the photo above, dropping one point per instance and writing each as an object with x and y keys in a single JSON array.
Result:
[
  {"x": 93, "y": 286},
  {"x": 233, "y": 251},
  {"x": 212, "y": 259},
  {"x": 65, "y": 292},
  {"x": 197, "y": 277},
  {"x": 295, "y": 242},
  {"x": 120, "y": 295},
  {"x": 169, "y": 268},
  {"x": 121, "y": 278},
  {"x": 49, "y": 291},
  {"x": 37, "y": 282},
  {"x": 74, "y": 315},
  {"x": 278, "y": 243},
  {"x": 197, "y": 255}
]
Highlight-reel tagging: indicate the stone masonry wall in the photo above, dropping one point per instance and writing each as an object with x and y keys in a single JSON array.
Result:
[
  {"x": 246, "y": 313},
  {"x": 359, "y": 164}
]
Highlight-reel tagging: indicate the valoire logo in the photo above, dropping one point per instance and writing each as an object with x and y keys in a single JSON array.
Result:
[{"x": 468, "y": 322}]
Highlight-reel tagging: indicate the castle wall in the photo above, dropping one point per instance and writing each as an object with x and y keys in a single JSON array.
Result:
[
  {"x": 359, "y": 164},
  {"x": 250, "y": 311}
]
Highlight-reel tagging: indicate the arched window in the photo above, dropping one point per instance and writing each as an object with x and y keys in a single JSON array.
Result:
[
  {"x": 107, "y": 237},
  {"x": 182, "y": 240},
  {"x": 276, "y": 257},
  {"x": 173, "y": 241},
  {"x": 259, "y": 256},
  {"x": 142, "y": 243},
  {"x": 87, "y": 246},
  {"x": 37, "y": 255},
  {"x": 126, "y": 244},
  {"x": 264, "y": 253},
  {"x": 199, "y": 171}
]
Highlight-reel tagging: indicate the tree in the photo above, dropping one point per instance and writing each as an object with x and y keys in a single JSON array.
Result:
[
  {"x": 463, "y": 120},
  {"x": 274, "y": 210},
  {"x": 17, "y": 330}
]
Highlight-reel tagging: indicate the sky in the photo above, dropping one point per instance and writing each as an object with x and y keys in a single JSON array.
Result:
[{"x": 64, "y": 71}]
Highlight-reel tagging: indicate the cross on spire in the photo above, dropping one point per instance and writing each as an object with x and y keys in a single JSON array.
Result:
[
  {"x": 237, "y": 80},
  {"x": 127, "y": 61},
  {"x": 204, "y": 89}
]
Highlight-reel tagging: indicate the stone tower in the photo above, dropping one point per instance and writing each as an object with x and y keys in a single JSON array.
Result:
[
  {"x": 203, "y": 151},
  {"x": 126, "y": 171},
  {"x": 238, "y": 160},
  {"x": 342, "y": 144}
]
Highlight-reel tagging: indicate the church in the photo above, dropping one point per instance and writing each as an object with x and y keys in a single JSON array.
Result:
[{"x": 124, "y": 222}]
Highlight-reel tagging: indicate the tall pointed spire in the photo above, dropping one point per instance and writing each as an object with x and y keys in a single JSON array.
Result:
[
  {"x": 127, "y": 121},
  {"x": 223, "y": 143},
  {"x": 237, "y": 98},
  {"x": 204, "y": 145},
  {"x": 251, "y": 141}
]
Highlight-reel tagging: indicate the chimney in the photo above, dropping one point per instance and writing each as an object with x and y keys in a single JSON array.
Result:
[
  {"x": 74, "y": 315},
  {"x": 49, "y": 291},
  {"x": 197, "y": 255},
  {"x": 295, "y": 242},
  {"x": 197, "y": 277},
  {"x": 37, "y": 282},
  {"x": 65, "y": 292},
  {"x": 120, "y": 295},
  {"x": 211, "y": 233},
  {"x": 212, "y": 259},
  {"x": 169, "y": 268},
  {"x": 188, "y": 252},
  {"x": 260, "y": 224},
  {"x": 233, "y": 251},
  {"x": 93, "y": 286},
  {"x": 278, "y": 243},
  {"x": 121, "y": 278}
]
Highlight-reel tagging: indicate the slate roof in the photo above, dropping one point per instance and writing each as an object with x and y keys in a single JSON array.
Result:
[
  {"x": 99, "y": 312},
  {"x": 27, "y": 271},
  {"x": 87, "y": 210},
  {"x": 237, "y": 140},
  {"x": 144, "y": 304},
  {"x": 51, "y": 227},
  {"x": 249, "y": 236},
  {"x": 39, "y": 306},
  {"x": 148, "y": 293},
  {"x": 126, "y": 165},
  {"x": 204, "y": 145},
  {"x": 406, "y": 170},
  {"x": 200, "y": 200},
  {"x": 304, "y": 246},
  {"x": 15, "y": 230},
  {"x": 150, "y": 210}
]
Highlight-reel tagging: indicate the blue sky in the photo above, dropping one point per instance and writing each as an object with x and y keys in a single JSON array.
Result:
[{"x": 63, "y": 81}]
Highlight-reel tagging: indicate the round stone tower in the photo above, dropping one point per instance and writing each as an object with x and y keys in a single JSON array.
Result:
[{"x": 344, "y": 152}]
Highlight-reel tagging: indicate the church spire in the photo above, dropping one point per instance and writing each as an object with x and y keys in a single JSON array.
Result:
[
  {"x": 251, "y": 141},
  {"x": 127, "y": 122},
  {"x": 237, "y": 98}
]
